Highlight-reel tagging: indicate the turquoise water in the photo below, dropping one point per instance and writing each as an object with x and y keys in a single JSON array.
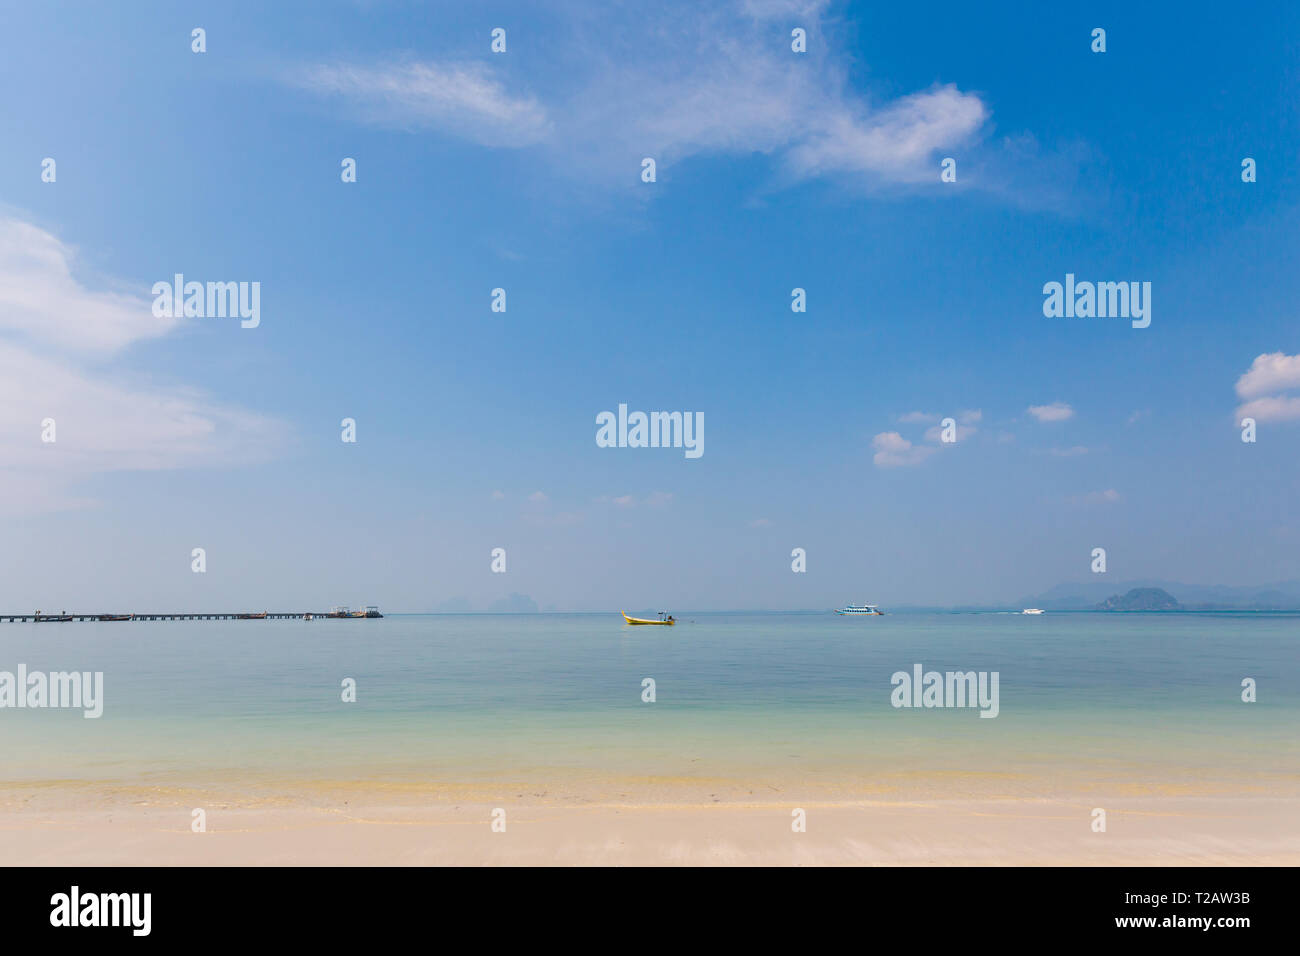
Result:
[{"x": 739, "y": 697}]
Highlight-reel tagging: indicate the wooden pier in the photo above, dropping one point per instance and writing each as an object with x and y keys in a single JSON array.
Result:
[{"x": 184, "y": 616}]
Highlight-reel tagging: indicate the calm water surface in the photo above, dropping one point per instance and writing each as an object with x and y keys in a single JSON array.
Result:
[{"x": 740, "y": 696}]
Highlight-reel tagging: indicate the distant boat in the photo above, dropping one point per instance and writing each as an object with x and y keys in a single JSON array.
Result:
[
  {"x": 664, "y": 619},
  {"x": 114, "y": 617},
  {"x": 50, "y": 618},
  {"x": 250, "y": 617},
  {"x": 1032, "y": 610},
  {"x": 342, "y": 610},
  {"x": 856, "y": 609},
  {"x": 306, "y": 617}
]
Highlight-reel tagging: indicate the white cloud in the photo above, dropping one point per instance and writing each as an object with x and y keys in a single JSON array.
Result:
[
  {"x": 57, "y": 340},
  {"x": 970, "y": 416},
  {"x": 465, "y": 99},
  {"x": 894, "y": 143},
  {"x": 45, "y": 305},
  {"x": 1270, "y": 373},
  {"x": 761, "y": 523},
  {"x": 895, "y": 451},
  {"x": 1071, "y": 452},
  {"x": 103, "y": 424},
  {"x": 688, "y": 81},
  {"x": 918, "y": 418},
  {"x": 538, "y": 496},
  {"x": 1055, "y": 412},
  {"x": 1276, "y": 408}
]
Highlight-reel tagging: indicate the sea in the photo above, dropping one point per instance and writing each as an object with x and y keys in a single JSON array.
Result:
[{"x": 756, "y": 702}]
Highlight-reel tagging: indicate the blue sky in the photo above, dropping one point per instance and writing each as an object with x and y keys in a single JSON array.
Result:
[{"x": 521, "y": 170}]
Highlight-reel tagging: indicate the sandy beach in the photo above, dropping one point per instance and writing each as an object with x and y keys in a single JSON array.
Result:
[{"x": 419, "y": 825}]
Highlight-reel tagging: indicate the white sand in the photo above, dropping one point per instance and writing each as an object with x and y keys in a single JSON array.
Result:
[{"x": 72, "y": 826}]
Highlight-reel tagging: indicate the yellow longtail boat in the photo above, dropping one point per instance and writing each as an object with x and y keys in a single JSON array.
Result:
[{"x": 665, "y": 619}]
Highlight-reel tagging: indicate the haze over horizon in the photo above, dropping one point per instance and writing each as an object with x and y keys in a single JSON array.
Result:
[{"x": 522, "y": 171}]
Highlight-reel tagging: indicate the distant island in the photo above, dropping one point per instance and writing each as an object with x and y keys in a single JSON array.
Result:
[
  {"x": 1099, "y": 593},
  {"x": 1141, "y": 599}
]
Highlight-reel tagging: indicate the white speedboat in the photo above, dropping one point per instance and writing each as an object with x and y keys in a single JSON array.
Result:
[
  {"x": 1032, "y": 610},
  {"x": 859, "y": 609}
]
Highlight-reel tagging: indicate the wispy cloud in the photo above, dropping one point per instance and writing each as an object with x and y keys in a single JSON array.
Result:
[
  {"x": 58, "y": 341},
  {"x": 1055, "y": 412},
  {"x": 43, "y": 304},
  {"x": 894, "y": 143},
  {"x": 466, "y": 99},
  {"x": 689, "y": 81}
]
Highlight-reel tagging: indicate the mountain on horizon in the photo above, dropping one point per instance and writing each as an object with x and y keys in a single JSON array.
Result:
[
  {"x": 1141, "y": 599},
  {"x": 1086, "y": 595}
]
